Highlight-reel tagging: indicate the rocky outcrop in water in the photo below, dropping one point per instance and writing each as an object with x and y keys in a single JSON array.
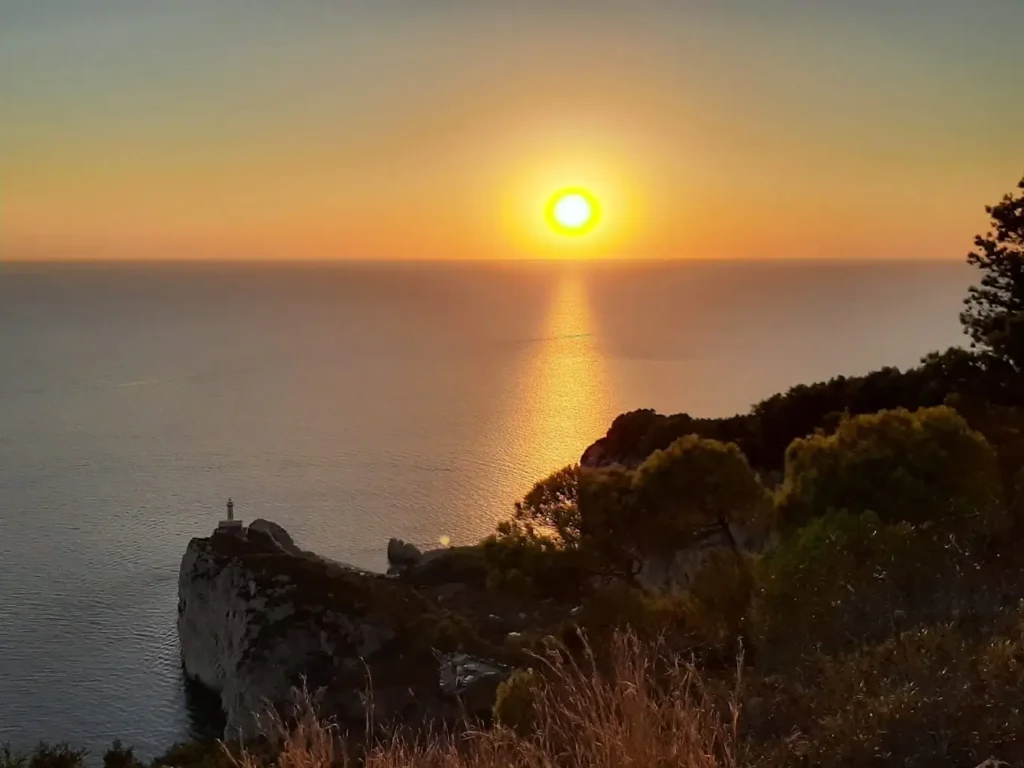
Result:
[
  {"x": 259, "y": 618},
  {"x": 403, "y": 555}
]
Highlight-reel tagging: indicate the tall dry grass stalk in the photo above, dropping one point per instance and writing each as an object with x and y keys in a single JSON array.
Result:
[{"x": 648, "y": 711}]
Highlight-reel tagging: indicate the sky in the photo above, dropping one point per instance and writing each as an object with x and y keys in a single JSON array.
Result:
[{"x": 440, "y": 129}]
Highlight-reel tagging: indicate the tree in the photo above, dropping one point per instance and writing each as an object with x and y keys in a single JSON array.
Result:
[
  {"x": 607, "y": 504},
  {"x": 538, "y": 550},
  {"x": 994, "y": 314},
  {"x": 551, "y": 509},
  {"x": 615, "y": 516},
  {"x": 693, "y": 488},
  {"x": 918, "y": 467}
]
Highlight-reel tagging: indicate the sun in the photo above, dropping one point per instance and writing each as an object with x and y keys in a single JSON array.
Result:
[{"x": 573, "y": 212}]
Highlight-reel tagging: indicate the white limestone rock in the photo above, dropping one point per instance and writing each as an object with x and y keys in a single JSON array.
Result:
[{"x": 253, "y": 636}]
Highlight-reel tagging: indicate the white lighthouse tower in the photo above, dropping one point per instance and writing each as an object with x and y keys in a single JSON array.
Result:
[{"x": 230, "y": 525}]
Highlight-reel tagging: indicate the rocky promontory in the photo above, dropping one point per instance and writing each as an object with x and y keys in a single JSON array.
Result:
[{"x": 259, "y": 619}]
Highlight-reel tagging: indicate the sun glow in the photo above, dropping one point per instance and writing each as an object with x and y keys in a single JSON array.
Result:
[
  {"x": 573, "y": 212},
  {"x": 585, "y": 206}
]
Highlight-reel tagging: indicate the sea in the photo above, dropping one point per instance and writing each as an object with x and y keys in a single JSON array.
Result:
[{"x": 350, "y": 403}]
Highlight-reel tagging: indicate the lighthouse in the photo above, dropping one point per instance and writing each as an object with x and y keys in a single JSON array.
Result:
[{"x": 229, "y": 524}]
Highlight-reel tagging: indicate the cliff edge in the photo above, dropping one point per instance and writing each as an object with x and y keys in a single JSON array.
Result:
[{"x": 259, "y": 618}]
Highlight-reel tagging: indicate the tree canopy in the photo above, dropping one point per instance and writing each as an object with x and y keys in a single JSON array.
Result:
[
  {"x": 994, "y": 313},
  {"x": 915, "y": 467},
  {"x": 693, "y": 486}
]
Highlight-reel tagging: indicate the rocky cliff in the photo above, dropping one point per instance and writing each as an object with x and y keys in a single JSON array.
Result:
[{"x": 259, "y": 618}]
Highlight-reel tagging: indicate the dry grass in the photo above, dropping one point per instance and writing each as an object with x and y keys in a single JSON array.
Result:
[{"x": 648, "y": 711}]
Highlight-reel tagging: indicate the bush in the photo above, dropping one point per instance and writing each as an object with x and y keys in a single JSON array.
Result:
[
  {"x": 43, "y": 756},
  {"x": 515, "y": 706},
  {"x": 846, "y": 579},
  {"x": 936, "y": 695},
  {"x": 706, "y": 622},
  {"x": 462, "y": 565},
  {"x": 119, "y": 756},
  {"x": 530, "y": 567},
  {"x": 196, "y": 754},
  {"x": 720, "y": 596},
  {"x": 448, "y": 632},
  {"x": 649, "y": 616},
  {"x": 920, "y": 467}
]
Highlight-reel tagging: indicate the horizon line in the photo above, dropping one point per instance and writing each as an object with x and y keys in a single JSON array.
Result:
[{"x": 327, "y": 261}]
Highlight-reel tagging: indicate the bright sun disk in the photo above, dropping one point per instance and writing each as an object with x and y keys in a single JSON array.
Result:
[{"x": 572, "y": 212}]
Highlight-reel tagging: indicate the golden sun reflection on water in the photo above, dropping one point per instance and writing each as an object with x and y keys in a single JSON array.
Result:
[
  {"x": 565, "y": 399},
  {"x": 568, "y": 379}
]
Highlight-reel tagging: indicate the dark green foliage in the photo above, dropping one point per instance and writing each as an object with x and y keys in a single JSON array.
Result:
[
  {"x": 766, "y": 431},
  {"x": 707, "y": 619},
  {"x": 634, "y": 436},
  {"x": 920, "y": 467},
  {"x": 516, "y": 702},
  {"x": 946, "y": 694},
  {"x": 531, "y": 567},
  {"x": 11, "y": 759},
  {"x": 197, "y": 754},
  {"x": 607, "y": 499},
  {"x": 585, "y": 522},
  {"x": 43, "y": 756},
  {"x": 456, "y": 565},
  {"x": 846, "y": 579},
  {"x": 994, "y": 313},
  {"x": 649, "y": 616},
  {"x": 674, "y": 499},
  {"x": 56, "y": 756},
  {"x": 551, "y": 509},
  {"x": 693, "y": 486},
  {"x": 119, "y": 756},
  {"x": 1003, "y": 428},
  {"x": 448, "y": 632},
  {"x": 719, "y": 599},
  {"x": 538, "y": 552}
]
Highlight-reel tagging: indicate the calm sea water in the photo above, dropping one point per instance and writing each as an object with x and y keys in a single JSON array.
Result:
[{"x": 349, "y": 403}]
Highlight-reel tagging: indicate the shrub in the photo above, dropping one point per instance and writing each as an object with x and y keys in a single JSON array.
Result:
[
  {"x": 618, "y": 607},
  {"x": 920, "y": 467},
  {"x": 11, "y": 759},
  {"x": 119, "y": 756},
  {"x": 935, "y": 695},
  {"x": 845, "y": 578},
  {"x": 447, "y": 631},
  {"x": 43, "y": 756},
  {"x": 196, "y": 754},
  {"x": 463, "y": 565},
  {"x": 530, "y": 567},
  {"x": 516, "y": 701},
  {"x": 720, "y": 596}
]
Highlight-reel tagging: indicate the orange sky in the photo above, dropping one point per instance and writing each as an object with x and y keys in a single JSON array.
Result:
[{"x": 740, "y": 129}]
